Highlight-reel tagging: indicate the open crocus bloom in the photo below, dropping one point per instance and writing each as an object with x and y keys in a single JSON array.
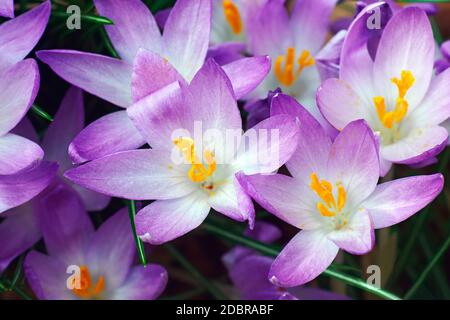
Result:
[
  {"x": 395, "y": 93},
  {"x": 292, "y": 42},
  {"x": 197, "y": 145},
  {"x": 333, "y": 196},
  {"x": 19, "y": 84},
  {"x": 176, "y": 55},
  {"x": 86, "y": 264}
]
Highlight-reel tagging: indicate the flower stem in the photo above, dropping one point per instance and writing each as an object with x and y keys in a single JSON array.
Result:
[
  {"x": 215, "y": 292},
  {"x": 273, "y": 251},
  {"x": 84, "y": 17},
  {"x": 6, "y": 285},
  {"x": 427, "y": 269},
  {"x": 137, "y": 240},
  {"x": 41, "y": 113}
]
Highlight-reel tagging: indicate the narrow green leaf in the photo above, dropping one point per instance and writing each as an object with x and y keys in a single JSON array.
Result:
[
  {"x": 137, "y": 240},
  {"x": 84, "y": 17},
  {"x": 41, "y": 113}
]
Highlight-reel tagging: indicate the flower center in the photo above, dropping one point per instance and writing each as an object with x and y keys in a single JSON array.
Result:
[
  {"x": 288, "y": 74},
  {"x": 232, "y": 16},
  {"x": 329, "y": 207},
  {"x": 389, "y": 118},
  {"x": 198, "y": 171},
  {"x": 87, "y": 288}
]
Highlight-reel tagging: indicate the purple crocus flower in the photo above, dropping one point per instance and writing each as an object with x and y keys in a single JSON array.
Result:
[
  {"x": 333, "y": 196},
  {"x": 19, "y": 84},
  {"x": 395, "y": 93},
  {"x": 19, "y": 231},
  {"x": 103, "y": 258},
  {"x": 192, "y": 164},
  {"x": 176, "y": 55}
]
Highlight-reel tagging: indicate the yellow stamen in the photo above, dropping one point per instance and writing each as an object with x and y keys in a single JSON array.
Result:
[
  {"x": 288, "y": 75},
  {"x": 324, "y": 190},
  {"x": 403, "y": 84},
  {"x": 232, "y": 16},
  {"x": 198, "y": 172},
  {"x": 342, "y": 197},
  {"x": 324, "y": 211},
  {"x": 88, "y": 290}
]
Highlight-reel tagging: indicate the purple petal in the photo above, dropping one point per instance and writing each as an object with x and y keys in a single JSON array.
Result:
[
  {"x": 109, "y": 134},
  {"x": 311, "y": 19},
  {"x": 151, "y": 73},
  {"x": 358, "y": 236},
  {"x": 18, "y": 36},
  {"x": 143, "y": 283},
  {"x": 65, "y": 224},
  {"x": 93, "y": 201},
  {"x": 354, "y": 161},
  {"x": 17, "y": 153},
  {"x": 7, "y": 8},
  {"x": 327, "y": 59},
  {"x": 134, "y": 27},
  {"x": 18, "y": 232},
  {"x": 105, "y": 77},
  {"x": 25, "y": 129},
  {"x": 165, "y": 220},
  {"x": 264, "y": 232},
  {"x": 299, "y": 261},
  {"x": 186, "y": 35},
  {"x": 226, "y": 52},
  {"x": 18, "y": 88},
  {"x": 20, "y": 187},
  {"x": 138, "y": 174},
  {"x": 247, "y": 73},
  {"x": 445, "y": 49},
  {"x": 397, "y": 200},
  {"x": 67, "y": 123}
]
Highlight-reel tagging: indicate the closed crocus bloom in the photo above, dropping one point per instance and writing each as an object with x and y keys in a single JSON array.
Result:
[
  {"x": 197, "y": 147},
  {"x": 333, "y": 196},
  {"x": 395, "y": 92},
  {"x": 177, "y": 54},
  {"x": 19, "y": 84},
  {"x": 83, "y": 263},
  {"x": 292, "y": 42}
]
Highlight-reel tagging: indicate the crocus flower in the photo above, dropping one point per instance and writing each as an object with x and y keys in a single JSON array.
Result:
[
  {"x": 19, "y": 84},
  {"x": 333, "y": 196},
  {"x": 395, "y": 93},
  {"x": 176, "y": 55},
  {"x": 101, "y": 259},
  {"x": 192, "y": 165},
  {"x": 293, "y": 43},
  {"x": 20, "y": 230}
]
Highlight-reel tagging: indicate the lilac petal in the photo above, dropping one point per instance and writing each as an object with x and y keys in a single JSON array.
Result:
[
  {"x": 419, "y": 145},
  {"x": 186, "y": 35},
  {"x": 268, "y": 145},
  {"x": 165, "y": 220},
  {"x": 282, "y": 196},
  {"x": 134, "y": 27},
  {"x": 151, "y": 73},
  {"x": 138, "y": 174},
  {"x": 109, "y": 134},
  {"x": 247, "y": 73},
  {"x": 424, "y": 163},
  {"x": 7, "y": 8},
  {"x": 225, "y": 53},
  {"x": 20, "y": 187},
  {"x": 354, "y": 161},
  {"x": 17, "y": 153},
  {"x": 19, "y": 36},
  {"x": 112, "y": 249},
  {"x": 25, "y": 129},
  {"x": 339, "y": 103},
  {"x": 264, "y": 232},
  {"x": 143, "y": 283},
  {"x": 303, "y": 293},
  {"x": 445, "y": 49},
  {"x": 105, "y": 77},
  {"x": 397, "y": 200},
  {"x": 93, "y": 201},
  {"x": 313, "y": 142},
  {"x": 65, "y": 224},
  {"x": 160, "y": 114},
  {"x": 231, "y": 200},
  {"x": 67, "y": 123},
  {"x": 18, "y": 232},
  {"x": 327, "y": 59},
  {"x": 259, "y": 110},
  {"x": 18, "y": 88},
  {"x": 311, "y": 19},
  {"x": 299, "y": 261},
  {"x": 358, "y": 236},
  {"x": 407, "y": 43},
  {"x": 162, "y": 16},
  {"x": 435, "y": 106},
  {"x": 47, "y": 277}
]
